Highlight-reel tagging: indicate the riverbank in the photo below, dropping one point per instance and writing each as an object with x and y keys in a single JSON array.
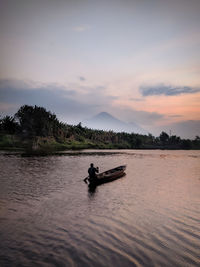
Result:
[{"x": 49, "y": 145}]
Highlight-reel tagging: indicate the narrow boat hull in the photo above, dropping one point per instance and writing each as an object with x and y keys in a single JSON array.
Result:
[{"x": 108, "y": 176}]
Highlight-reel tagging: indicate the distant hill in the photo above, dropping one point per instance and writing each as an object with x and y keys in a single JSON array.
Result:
[{"x": 105, "y": 121}]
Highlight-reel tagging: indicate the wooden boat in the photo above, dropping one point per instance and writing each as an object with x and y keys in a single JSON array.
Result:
[{"x": 107, "y": 176}]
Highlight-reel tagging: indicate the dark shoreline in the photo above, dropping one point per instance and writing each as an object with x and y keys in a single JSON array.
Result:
[{"x": 78, "y": 151}]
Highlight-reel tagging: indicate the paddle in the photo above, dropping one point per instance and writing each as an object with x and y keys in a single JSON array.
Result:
[{"x": 85, "y": 180}]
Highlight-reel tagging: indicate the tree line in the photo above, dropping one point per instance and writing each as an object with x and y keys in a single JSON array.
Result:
[{"x": 36, "y": 125}]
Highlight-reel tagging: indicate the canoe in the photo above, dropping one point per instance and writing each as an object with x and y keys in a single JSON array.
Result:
[{"x": 108, "y": 176}]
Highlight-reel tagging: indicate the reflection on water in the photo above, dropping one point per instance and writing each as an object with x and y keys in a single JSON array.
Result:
[
  {"x": 150, "y": 217},
  {"x": 92, "y": 190}
]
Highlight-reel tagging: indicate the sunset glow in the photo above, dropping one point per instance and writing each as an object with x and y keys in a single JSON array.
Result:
[{"x": 134, "y": 59}]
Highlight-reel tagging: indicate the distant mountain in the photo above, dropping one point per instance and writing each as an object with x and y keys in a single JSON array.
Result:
[{"x": 105, "y": 121}]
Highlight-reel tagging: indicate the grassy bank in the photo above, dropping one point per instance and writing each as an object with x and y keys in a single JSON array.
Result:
[
  {"x": 11, "y": 142},
  {"x": 49, "y": 144}
]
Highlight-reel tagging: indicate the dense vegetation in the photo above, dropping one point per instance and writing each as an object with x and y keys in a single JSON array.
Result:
[{"x": 35, "y": 128}]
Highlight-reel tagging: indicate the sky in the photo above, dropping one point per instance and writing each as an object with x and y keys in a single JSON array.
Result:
[{"x": 139, "y": 60}]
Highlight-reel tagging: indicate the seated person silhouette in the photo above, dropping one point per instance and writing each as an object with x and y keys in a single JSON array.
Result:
[{"x": 92, "y": 173}]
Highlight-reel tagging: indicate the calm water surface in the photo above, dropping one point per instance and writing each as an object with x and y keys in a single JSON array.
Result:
[{"x": 150, "y": 217}]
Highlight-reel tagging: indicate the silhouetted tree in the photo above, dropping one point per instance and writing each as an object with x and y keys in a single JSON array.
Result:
[
  {"x": 186, "y": 144},
  {"x": 196, "y": 142},
  {"x": 8, "y": 125},
  {"x": 138, "y": 143},
  {"x": 164, "y": 138},
  {"x": 36, "y": 121}
]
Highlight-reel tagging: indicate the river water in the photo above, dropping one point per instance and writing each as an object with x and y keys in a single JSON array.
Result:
[{"x": 150, "y": 217}]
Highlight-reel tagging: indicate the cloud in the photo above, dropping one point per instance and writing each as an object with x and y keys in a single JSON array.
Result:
[
  {"x": 137, "y": 99},
  {"x": 81, "y": 28},
  {"x": 150, "y": 121},
  {"x": 175, "y": 116},
  {"x": 167, "y": 90},
  {"x": 71, "y": 103},
  {"x": 6, "y": 107},
  {"x": 74, "y": 103},
  {"x": 81, "y": 78},
  {"x": 51, "y": 97},
  {"x": 143, "y": 118},
  {"x": 184, "y": 129}
]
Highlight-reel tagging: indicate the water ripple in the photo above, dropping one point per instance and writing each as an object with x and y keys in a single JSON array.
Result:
[{"x": 149, "y": 218}]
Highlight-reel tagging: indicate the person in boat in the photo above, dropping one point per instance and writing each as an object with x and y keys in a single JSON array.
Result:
[{"x": 92, "y": 172}]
